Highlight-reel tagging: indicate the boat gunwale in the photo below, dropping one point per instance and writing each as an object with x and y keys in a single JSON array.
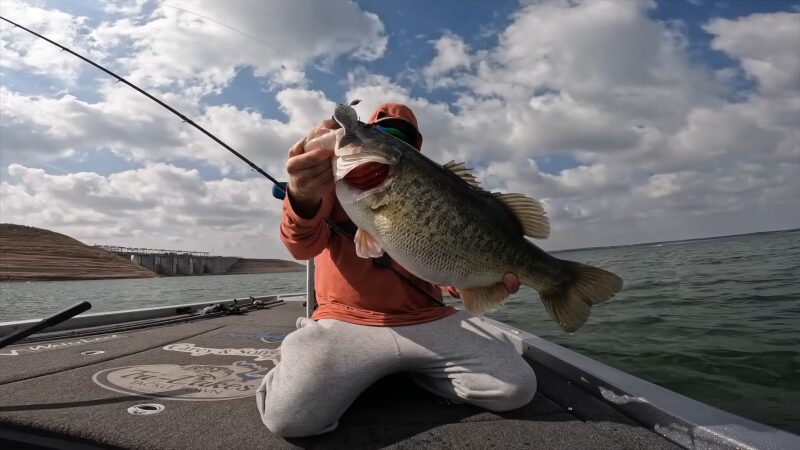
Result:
[{"x": 131, "y": 315}]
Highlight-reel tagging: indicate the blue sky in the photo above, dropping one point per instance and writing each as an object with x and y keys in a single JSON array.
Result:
[
  {"x": 496, "y": 83},
  {"x": 411, "y": 29}
]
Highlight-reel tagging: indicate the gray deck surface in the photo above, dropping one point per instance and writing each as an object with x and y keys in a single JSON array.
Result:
[{"x": 48, "y": 389}]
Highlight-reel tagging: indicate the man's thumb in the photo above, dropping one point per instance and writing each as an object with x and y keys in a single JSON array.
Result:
[{"x": 326, "y": 140}]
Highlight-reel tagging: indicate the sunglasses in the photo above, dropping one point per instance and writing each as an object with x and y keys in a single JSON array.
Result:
[{"x": 396, "y": 133}]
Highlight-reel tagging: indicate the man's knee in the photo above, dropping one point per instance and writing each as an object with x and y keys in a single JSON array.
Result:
[
  {"x": 279, "y": 425},
  {"x": 517, "y": 390},
  {"x": 290, "y": 424},
  {"x": 519, "y": 394},
  {"x": 290, "y": 419}
]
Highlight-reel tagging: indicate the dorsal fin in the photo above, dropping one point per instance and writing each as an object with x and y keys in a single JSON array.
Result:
[
  {"x": 529, "y": 212},
  {"x": 460, "y": 169}
]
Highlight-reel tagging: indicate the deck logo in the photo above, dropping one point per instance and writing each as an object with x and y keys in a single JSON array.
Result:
[
  {"x": 189, "y": 382},
  {"x": 39, "y": 348},
  {"x": 260, "y": 354}
]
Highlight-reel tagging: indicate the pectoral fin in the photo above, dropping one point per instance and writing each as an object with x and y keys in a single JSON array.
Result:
[
  {"x": 482, "y": 300},
  {"x": 366, "y": 245}
]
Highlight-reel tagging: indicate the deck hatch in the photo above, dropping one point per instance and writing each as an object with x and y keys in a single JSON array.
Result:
[{"x": 146, "y": 409}]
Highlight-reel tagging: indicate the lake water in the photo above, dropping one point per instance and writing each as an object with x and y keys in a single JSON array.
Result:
[{"x": 716, "y": 320}]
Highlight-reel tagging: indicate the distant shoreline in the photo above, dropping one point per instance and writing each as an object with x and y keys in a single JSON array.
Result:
[
  {"x": 35, "y": 254},
  {"x": 101, "y": 278},
  {"x": 31, "y": 254},
  {"x": 709, "y": 238},
  {"x": 274, "y": 267}
]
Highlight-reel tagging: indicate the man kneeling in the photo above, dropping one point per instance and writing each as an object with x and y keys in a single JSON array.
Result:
[{"x": 371, "y": 321}]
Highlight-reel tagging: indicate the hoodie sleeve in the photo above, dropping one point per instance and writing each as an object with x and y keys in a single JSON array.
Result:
[{"x": 306, "y": 238}]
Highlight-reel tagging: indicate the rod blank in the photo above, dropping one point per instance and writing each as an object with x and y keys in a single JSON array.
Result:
[{"x": 48, "y": 322}]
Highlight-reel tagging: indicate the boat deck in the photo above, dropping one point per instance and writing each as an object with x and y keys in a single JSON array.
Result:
[{"x": 65, "y": 389}]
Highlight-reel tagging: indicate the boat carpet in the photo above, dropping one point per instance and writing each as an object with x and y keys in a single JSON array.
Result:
[{"x": 205, "y": 373}]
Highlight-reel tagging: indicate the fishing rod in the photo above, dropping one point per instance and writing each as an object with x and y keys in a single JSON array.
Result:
[
  {"x": 47, "y": 322},
  {"x": 382, "y": 262}
]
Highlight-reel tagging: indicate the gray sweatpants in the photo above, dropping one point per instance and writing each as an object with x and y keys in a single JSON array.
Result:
[{"x": 326, "y": 364}]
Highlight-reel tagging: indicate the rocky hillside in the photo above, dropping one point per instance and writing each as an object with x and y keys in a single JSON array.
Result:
[{"x": 28, "y": 253}]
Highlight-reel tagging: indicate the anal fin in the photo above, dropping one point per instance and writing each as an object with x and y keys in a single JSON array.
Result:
[
  {"x": 366, "y": 245},
  {"x": 479, "y": 301}
]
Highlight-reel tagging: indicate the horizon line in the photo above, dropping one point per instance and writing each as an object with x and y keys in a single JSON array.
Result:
[{"x": 723, "y": 236}]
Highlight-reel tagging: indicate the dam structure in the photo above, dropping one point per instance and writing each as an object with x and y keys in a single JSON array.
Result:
[{"x": 175, "y": 262}]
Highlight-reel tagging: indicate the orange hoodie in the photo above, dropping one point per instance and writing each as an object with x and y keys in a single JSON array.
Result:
[{"x": 350, "y": 288}]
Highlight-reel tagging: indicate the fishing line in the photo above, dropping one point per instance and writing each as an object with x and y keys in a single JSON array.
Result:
[
  {"x": 255, "y": 38},
  {"x": 148, "y": 95},
  {"x": 384, "y": 262}
]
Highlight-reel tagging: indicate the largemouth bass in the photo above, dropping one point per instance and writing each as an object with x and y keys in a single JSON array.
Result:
[{"x": 439, "y": 224}]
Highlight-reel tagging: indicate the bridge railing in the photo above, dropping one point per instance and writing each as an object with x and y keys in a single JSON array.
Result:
[{"x": 148, "y": 251}]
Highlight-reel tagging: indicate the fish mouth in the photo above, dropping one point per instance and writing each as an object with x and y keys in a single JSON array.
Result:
[
  {"x": 367, "y": 176},
  {"x": 361, "y": 168}
]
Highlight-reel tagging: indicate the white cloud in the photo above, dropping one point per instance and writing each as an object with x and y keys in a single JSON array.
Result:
[
  {"x": 176, "y": 47},
  {"x": 768, "y": 46},
  {"x": 148, "y": 206},
  {"x": 451, "y": 54},
  {"x": 122, "y": 6},
  {"x": 304, "y": 108},
  {"x": 35, "y": 128},
  {"x": 373, "y": 89},
  {"x": 50, "y": 127},
  {"x": 23, "y": 51}
]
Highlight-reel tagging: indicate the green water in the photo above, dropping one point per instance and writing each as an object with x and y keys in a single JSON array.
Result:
[{"x": 716, "y": 320}]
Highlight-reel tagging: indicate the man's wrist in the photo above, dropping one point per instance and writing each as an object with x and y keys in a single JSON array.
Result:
[{"x": 304, "y": 207}]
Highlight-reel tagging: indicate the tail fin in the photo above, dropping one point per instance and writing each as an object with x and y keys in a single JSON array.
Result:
[{"x": 569, "y": 304}]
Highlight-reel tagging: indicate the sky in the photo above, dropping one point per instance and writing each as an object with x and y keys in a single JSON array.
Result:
[{"x": 631, "y": 121}]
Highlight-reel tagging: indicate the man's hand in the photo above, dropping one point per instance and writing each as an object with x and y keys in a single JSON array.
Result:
[
  {"x": 310, "y": 173},
  {"x": 510, "y": 283}
]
